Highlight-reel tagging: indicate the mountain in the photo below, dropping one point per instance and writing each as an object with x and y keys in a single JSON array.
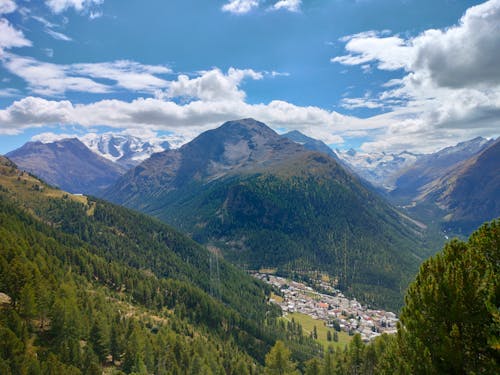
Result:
[
  {"x": 68, "y": 164},
  {"x": 469, "y": 193},
  {"x": 410, "y": 182},
  {"x": 265, "y": 201},
  {"x": 94, "y": 284},
  {"x": 310, "y": 143},
  {"x": 380, "y": 168},
  {"x": 125, "y": 150}
]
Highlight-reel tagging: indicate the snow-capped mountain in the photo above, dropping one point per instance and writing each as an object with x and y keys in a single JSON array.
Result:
[
  {"x": 126, "y": 150},
  {"x": 377, "y": 168},
  {"x": 411, "y": 182}
]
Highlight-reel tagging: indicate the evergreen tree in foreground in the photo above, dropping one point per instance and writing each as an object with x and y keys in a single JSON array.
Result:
[{"x": 451, "y": 316}]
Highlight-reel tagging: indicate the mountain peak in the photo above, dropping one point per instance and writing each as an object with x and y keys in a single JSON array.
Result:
[
  {"x": 246, "y": 125},
  {"x": 68, "y": 164}
]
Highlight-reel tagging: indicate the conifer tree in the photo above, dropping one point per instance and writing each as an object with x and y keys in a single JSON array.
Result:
[{"x": 278, "y": 360}]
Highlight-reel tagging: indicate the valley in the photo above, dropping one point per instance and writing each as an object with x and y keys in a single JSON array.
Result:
[
  {"x": 333, "y": 310},
  {"x": 249, "y": 187}
]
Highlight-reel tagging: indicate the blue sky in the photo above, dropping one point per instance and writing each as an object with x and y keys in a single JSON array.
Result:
[{"x": 373, "y": 74}]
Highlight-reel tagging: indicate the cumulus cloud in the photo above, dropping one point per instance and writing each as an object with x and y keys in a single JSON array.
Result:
[
  {"x": 391, "y": 53},
  {"x": 240, "y": 6},
  {"x": 59, "y": 6},
  {"x": 212, "y": 85},
  {"x": 290, "y": 5},
  {"x": 55, "y": 79},
  {"x": 185, "y": 120},
  {"x": 465, "y": 55},
  {"x": 450, "y": 85}
]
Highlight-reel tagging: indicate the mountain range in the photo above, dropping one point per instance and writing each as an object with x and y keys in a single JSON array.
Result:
[
  {"x": 468, "y": 192},
  {"x": 378, "y": 168},
  {"x": 265, "y": 201},
  {"x": 126, "y": 150},
  {"x": 237, "y": 186}
]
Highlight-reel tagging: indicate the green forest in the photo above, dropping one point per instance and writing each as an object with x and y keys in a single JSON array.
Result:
[
  {"x": 308, "y": 220},
  {"x": 90, "y": 288}
]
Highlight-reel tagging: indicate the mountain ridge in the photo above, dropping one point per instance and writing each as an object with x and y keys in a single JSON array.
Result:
[{"x": 68, "y": 164}]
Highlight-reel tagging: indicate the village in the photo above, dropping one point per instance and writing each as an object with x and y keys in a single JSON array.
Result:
[{"x": 334, "y": 309}]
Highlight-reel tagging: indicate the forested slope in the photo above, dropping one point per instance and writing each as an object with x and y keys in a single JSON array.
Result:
[{"x": 87, "y": 285}]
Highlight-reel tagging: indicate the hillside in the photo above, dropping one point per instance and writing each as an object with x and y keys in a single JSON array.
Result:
[
  {"x": 410, "y": 182},
  {"x": 67, "y": 164},
  {"x": 265, "y": 201},
  {"x": 97, "y": 269},
  {"x": 469, "y": 193}
]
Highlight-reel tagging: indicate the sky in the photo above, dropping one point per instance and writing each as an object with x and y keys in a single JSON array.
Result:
[{"x": 375, "y": 75}]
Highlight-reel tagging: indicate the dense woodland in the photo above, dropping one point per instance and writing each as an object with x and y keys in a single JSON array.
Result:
[
  {"x": 89, "y": 287},
  {"x": 304, "y": 222}
]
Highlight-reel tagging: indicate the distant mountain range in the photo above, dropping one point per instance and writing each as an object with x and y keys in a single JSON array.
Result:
[
  {"x": 410, "y": 182},
  {"x": 266, "y": 201},
  {"x": 126, "y": 150},
  {"x": 378, "y": 168},
  {"x": 67, "y": 164},
  {"x": 468, "y": 192}
]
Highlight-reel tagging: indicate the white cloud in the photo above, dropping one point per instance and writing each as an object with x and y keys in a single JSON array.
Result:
[
  {"x": 240, "y": 6},
  {"x": 47, "y": 78},
  {"x": 212, "y": 85},
  {"x": 352, "y": 103},
  {"x": 185, "y": 120},
  {"x": 10, "y": 37},
  {"x": 48, "y": 27},
  {"x": 450, "y": 85},
  {"x": 59, "y": 6},
  {"x": 290, "y": 5},
  {"x": 246, "y": 6},
  {"x": 128, "y": 74},
  {"x": 7, "y": 6},
  {"x": 49, "y": 137},
  {"x": 58, "y": 36},
  {"x": 94, "y": 15},
  {"x": 55, "y": 79},
  {"x": 392, "y": 52}
]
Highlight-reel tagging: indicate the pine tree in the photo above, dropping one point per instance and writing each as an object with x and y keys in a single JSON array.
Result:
[
  {"x": 451, "y": 309},
  {"x": 278, "y": 361}
]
